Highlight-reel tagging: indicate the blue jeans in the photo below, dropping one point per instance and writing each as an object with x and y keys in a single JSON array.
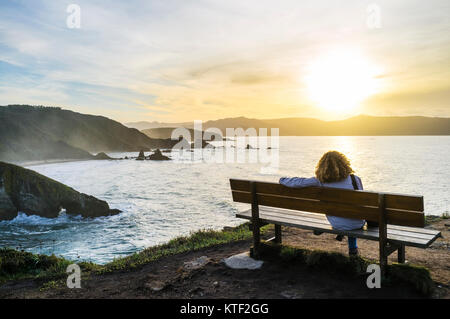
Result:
[{"x": 352, "y": 243}]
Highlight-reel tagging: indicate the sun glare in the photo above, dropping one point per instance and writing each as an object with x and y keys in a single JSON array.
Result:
[{"x": 340, "y": 80}]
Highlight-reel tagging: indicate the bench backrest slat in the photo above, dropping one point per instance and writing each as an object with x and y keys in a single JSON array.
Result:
[{"x": 401, "y": 210}]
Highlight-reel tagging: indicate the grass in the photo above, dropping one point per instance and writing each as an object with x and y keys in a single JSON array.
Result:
[
  {"x": 430, "y": 219},
  {"x": 198, "y": 240},
  {"x": 417, "y": 277},
  {"x": 16, "y": 265}
]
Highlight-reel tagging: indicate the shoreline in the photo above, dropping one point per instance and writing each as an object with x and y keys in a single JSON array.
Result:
[
  {"x": 161, "y": 272},
  {"x": 55, "y": 161}
]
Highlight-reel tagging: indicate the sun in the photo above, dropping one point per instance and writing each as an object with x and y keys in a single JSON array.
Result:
[{"x": 340, "y": 80}]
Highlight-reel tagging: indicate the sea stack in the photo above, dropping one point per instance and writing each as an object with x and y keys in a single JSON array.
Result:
[
  {"x": 202, "y": 144},
  {"x": 102, "y": 156},
  {"x": 141, "y": 156},
  {"x": 26, "y": 191},
  {"x": 158, "y": 156}
]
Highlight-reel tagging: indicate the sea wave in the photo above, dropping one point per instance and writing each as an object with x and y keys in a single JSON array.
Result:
[{"x": 24, "y": 219}]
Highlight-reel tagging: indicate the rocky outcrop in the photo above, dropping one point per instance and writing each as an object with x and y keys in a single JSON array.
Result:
[
  {"x": 25, "y": 190},
  {"x": 203, "y": 144},
  {"x": 103, "y": 156},
  {"x": 141, "y": 156},
  {"x": 158, "y": 156}
]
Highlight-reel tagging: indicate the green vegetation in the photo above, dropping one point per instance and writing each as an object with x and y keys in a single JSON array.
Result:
[
  {"x": 19, "y": 265},
  {"x": 315, "y": 259},
  {"x": 430, "y": 219},
  {"x": 417, "y": 277},
  {"x": 16, "y": 265},
  {"x": 196, "y": 241}
]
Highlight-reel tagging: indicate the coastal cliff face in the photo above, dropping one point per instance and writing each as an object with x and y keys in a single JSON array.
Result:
[
  {"x": 34, "y": 194},
  {"x": 30, "y": 133}
]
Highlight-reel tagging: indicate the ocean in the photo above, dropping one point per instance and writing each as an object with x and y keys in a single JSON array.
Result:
[{"x": 163, "y": 200}]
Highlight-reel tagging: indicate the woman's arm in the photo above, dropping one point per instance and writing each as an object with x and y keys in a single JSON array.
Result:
[{"x": 299, "y": 182}]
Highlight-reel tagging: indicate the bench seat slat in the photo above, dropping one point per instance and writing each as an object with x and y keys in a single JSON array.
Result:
[
  {"x": 320, "y": 218},
  {"x": 308, "y": 221},
  {"x": 370, "y": 234},
  {"x": 407, "y": 236},
  {"x": 324, "y": 223},
  {"x": 414, "y": 229}
]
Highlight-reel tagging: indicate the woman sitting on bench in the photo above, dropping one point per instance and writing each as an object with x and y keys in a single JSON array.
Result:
[{"x": 333, "y": 170}]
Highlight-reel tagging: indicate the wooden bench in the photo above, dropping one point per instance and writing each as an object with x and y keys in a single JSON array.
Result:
[{"x": 400, "y": 217}]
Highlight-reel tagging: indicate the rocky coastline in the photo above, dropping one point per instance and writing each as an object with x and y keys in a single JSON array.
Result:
[{"x": 26, "y": 191}]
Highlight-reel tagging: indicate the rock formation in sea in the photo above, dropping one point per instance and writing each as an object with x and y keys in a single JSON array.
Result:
[
  {"x": 141, "y": 156},
  {"x": 158, "y": 156},
  {"x": 102, "y": 156},
  {"x": 27, "y": 191},
  {"x": 203, "y": 144}
]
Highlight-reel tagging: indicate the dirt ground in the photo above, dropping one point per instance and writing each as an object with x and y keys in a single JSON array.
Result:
[{"x": 168, "y": 278}]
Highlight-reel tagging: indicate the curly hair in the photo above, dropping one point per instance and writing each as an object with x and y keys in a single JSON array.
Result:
[{"x": 333, "y": 167}]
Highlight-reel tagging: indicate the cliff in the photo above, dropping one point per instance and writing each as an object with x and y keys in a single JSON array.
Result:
[
  {"x": 34, "y": 194},
  {"x": 30, "y": 133}
]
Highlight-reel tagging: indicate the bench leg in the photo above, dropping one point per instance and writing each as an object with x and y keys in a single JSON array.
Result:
[
  {"x": 383, "y": 257},
  {"x": 401, "y": 254},
  {"x": 256, "y": 241},
  {"x": 255, "y": 222},
  {"x": 278, "y": 234},
  {"x": 382, "y": 230},
  {"x": 383, "y": 265}
]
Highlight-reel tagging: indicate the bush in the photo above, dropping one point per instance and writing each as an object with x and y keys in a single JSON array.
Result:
[
  {"x": 416, "y": 277},
  {"x": 17, "y": 264}
]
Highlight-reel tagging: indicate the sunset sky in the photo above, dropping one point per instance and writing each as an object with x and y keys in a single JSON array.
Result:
[{"x": 177, "y": 61}]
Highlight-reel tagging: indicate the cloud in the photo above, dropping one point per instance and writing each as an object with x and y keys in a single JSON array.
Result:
[{"x": 180, "y": 60}]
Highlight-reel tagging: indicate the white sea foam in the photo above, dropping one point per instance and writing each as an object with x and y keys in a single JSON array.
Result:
[{"x": 24, "y": 219}]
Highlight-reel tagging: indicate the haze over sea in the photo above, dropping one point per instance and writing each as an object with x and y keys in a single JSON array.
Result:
[{"x": 163, "y": 200}]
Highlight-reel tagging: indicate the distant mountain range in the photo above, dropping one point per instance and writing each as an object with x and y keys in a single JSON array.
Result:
[
  {"x": 166, "y": 132},
  {"x": 30, "y": 133},
  {"x": 144, "y": 125},
  {"x": 359, "y": 125},
  {"x": 33, "y": 133}
]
